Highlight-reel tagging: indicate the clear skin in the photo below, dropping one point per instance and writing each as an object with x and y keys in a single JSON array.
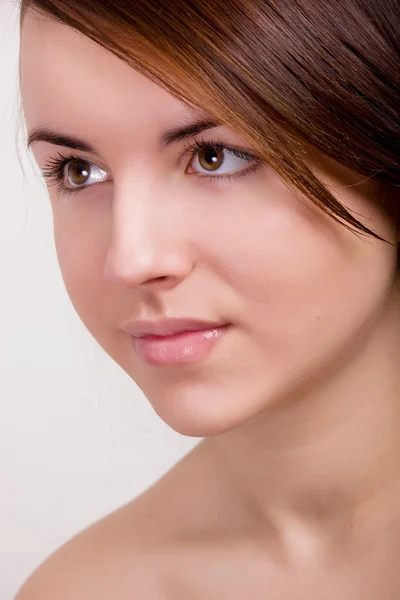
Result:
[{"x": 299, "y": 404}]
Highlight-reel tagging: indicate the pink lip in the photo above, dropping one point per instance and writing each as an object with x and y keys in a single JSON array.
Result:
[{"x": 174, "y": 341}]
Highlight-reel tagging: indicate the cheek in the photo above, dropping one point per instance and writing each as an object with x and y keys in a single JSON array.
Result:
[
  {"x": 306, "y": 286},
  {"x": 81, "y": 250}
]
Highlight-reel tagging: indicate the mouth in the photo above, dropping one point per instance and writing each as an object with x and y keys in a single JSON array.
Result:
[{"x": 179, "y": 347}]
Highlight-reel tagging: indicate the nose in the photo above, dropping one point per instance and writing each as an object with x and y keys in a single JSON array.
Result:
[{"x": 146, "y": 248}]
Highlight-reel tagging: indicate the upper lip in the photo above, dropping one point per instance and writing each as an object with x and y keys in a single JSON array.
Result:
[{"x": 170, "y": 326}]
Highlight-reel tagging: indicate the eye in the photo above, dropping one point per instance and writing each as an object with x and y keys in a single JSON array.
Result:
[
  {"x": 217, "y": 159},
  {"x": 81, "y": 173}
]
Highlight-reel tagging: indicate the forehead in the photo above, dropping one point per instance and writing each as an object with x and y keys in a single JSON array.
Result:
[{"x": 68, "y": 79}]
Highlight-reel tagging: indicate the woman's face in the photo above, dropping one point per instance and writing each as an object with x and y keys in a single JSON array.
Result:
[{"x": 153, "y": 230}]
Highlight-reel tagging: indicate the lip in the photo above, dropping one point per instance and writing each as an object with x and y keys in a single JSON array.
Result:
[
  {"x": 168, "y": 327},
  {"x": 175, "y": 341}
]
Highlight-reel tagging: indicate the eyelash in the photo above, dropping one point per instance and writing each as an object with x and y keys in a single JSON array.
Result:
[{"x": 54, "y": 169}]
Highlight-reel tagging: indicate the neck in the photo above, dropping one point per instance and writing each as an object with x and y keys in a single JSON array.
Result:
[{"x": 329, "y": 458}]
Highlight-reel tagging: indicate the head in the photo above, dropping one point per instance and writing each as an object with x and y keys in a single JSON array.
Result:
[{"x": 276, "y": 216}]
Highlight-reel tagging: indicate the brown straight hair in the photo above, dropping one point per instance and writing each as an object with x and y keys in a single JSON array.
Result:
[{"x": 287, "y": 75}]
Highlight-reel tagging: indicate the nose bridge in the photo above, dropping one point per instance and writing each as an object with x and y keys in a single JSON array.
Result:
[{"x": 145, "y": 245}]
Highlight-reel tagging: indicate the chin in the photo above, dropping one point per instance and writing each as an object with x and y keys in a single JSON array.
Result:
[
  {"x": 202, "y": 401},
  {"x": 202, "y": 413}
]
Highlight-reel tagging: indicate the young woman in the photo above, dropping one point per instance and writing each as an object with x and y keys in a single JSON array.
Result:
[{"x": 224, "y": 179}]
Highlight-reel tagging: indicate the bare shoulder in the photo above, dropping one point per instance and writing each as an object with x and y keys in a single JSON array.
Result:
[
  {"x": 106, "y": 560},
  {"x": 125, "y": 553}
]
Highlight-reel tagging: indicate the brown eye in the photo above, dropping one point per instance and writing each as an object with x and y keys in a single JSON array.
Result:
[
  {"x": 211, "y": 158},
  {"x": 217, "y": 159},
  {"x": 78, "y": 172},
  {"x": 81, "y": 173}
]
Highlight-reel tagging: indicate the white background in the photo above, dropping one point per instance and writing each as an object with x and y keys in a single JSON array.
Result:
[{"x": 77, "y": 436}]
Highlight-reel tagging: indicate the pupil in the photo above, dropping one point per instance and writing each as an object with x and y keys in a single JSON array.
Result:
[{"x": 211, "y": 156}]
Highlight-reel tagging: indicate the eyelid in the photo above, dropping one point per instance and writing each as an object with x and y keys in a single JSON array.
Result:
[{"x": 197, "y": 144}]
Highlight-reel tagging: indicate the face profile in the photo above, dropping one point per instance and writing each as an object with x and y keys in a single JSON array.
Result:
[
  {"x": 250, "y": 313},
  {"x": 197, "y": 230}
]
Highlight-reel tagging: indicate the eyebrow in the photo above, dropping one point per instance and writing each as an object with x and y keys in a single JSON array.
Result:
[
  {"x": 182, "y": 133},
  {"x": 178, "y": 134}
]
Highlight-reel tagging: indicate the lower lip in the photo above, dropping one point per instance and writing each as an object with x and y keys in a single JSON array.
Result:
[{"x": 181, "y": 348}]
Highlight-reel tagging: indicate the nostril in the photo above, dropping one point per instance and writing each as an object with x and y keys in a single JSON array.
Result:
[{"x": 158, "y": 280}]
